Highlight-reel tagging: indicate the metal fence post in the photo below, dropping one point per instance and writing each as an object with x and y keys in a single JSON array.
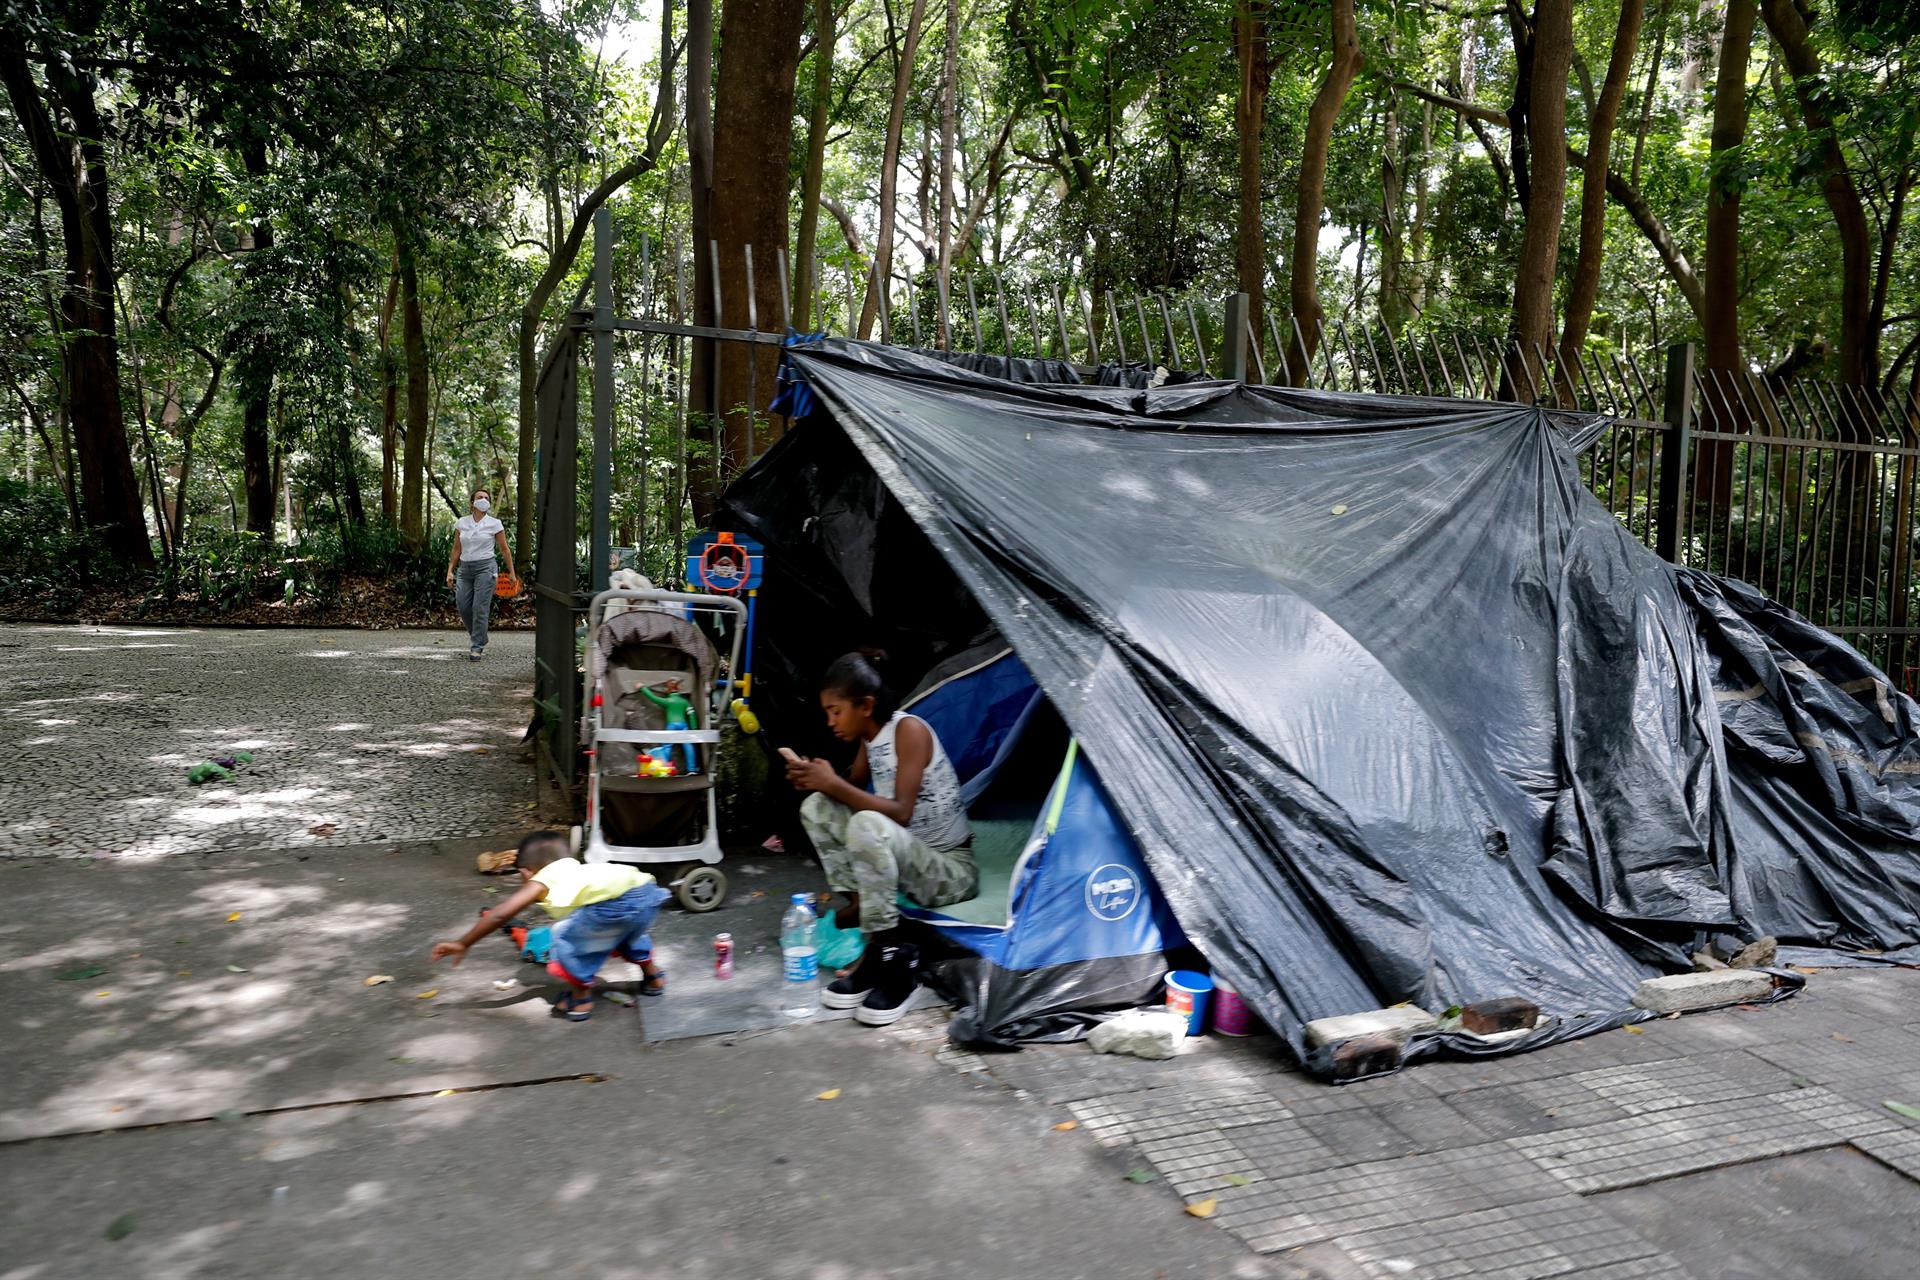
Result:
[
  {"x": 1233, "y": 348},
  {"x": 1676, "y": 455},
  {"x": 599, "y": 550}
]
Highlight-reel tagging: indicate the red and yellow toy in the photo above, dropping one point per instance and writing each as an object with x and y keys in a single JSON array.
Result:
[{"x": 650, "y": 767}]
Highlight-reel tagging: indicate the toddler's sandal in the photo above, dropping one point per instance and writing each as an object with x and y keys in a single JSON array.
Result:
[
  {"x": 574, "y": 1008},
  {"x": 655, "y": 985}
]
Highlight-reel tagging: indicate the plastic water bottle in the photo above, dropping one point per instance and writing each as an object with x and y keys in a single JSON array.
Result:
[{"x": 800, "y": 957}]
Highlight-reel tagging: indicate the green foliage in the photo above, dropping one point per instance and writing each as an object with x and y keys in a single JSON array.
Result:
[{"x": 41, "y": 558}]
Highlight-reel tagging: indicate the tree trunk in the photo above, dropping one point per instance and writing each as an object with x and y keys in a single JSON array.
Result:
[
  {"x": 1721, "y": 320},
  {"x": 1522, "y": 105},
  {"x": 1585, "y": 288},
  {"x": 389, "y": 396},
  {"x": 1858, "y": 359},
  {"x": 71, "y": 159},
  {"x": 413, "y": 341},
  {"x": 824, "y": 40},
  {"x": 1393, "y": 297},
  {"x": 702, "y": 394},
  {"x": 350, "y": 473},
  {"x": 949, "y": 89},
  {"x": 1250, "y": 119},
  {"x": 1422, "y": 200},
  {"x": 185, "y": 427},
  {"x": 1653, "y": 82},
  {"x": 1720, "y": 313},
  {"x": 1304, "y": 265},
  {"x": 882, "y": 273},
  {"x": 254, "y": 370},
  {"x": 1532, "y": 325},
  {"x": 753, "y": 129}
]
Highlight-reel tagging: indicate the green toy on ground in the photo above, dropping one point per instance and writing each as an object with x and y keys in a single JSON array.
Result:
[{"x": 218, "y": 769}]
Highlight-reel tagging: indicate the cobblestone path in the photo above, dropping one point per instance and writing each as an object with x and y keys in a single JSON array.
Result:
[{"x": 358, "y": 737}]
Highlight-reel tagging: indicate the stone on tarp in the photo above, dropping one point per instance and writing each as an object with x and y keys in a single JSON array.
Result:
[
  {"x": 1399, "y": 1023},
  {"x": 1757, "y": 954},
  {"x": 1363, "y": 1056},
  {"x": 1679, "y": 992},
  {"x": 1705, "y": 961},
  {"x": 1503, "y": 1013}
]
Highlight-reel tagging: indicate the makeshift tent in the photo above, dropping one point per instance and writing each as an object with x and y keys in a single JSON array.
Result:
[{"x": 1391, "y": 707}]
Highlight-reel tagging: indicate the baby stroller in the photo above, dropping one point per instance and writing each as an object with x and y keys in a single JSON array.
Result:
[{"x": 637, "y": 812}]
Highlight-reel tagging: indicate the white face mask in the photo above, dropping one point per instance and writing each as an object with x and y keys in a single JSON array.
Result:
[{"x": 482, "y": 505}]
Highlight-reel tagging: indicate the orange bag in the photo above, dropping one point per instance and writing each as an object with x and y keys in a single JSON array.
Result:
[{"x": 506, "y": 586}]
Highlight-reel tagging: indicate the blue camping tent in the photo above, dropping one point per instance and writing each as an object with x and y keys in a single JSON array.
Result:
[{"x": 1069, "y": 923}]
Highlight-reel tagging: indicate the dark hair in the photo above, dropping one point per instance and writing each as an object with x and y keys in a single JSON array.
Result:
[
  {"x": 860, "y": 675},
  {"x": 537, "y": 849}
]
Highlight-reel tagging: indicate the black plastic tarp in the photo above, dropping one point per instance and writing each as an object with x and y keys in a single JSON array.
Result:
[{"x": 1395, "y": 709}]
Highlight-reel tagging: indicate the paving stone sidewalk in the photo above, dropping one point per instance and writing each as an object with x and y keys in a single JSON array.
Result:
[
  {"x": 368, "y": 736},
  {"x": 1545, "y": 1164}
]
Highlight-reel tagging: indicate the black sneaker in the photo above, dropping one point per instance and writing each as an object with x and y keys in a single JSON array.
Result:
[
  {"x": 892, "y": 986},
  {"x": 848, "y": 992}
]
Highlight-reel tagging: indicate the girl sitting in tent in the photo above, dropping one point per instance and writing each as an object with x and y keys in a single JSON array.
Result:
[{"x": 895, "y": 824}]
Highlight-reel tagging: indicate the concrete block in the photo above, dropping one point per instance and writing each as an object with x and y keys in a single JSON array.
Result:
[
  {"x": 1397, "y": 1023},
  {"x": 1506, "y": 1013},
  {"x": 1679, "y": 992},
  {"x": 1144, "y": 1034},
  {"x": 1363, "y": 1056}
]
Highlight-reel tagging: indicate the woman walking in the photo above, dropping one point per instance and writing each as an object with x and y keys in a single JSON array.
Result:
[{"x": 471, "y": 571}]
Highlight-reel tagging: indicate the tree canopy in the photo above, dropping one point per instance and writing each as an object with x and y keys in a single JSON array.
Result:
[{"x": 283, "y": 266}]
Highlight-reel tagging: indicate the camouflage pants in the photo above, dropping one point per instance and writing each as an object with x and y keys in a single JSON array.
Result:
[{"x": 869, "y": 853}]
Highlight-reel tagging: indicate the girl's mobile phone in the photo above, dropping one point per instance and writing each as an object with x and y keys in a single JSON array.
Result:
[{"x": 789, "y": 753}]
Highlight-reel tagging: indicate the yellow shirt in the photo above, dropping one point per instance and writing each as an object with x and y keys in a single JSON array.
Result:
[{"x": 572, "y": 884}]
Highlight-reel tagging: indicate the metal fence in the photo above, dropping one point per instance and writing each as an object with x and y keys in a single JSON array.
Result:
[{"x": 1806, "y": 489}]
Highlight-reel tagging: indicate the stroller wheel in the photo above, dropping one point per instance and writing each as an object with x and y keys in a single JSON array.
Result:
[{"x": 701, "y": 888}]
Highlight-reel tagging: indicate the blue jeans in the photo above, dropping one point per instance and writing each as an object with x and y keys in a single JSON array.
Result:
[
  {"x": 473, "y": 594},
  {"x": 621, "y": 926}
]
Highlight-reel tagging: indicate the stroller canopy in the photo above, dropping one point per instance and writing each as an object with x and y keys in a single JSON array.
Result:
[{"x": 1391, "y": 706}]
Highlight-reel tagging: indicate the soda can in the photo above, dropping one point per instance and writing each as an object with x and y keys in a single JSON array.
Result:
[{"x": 723, "y": 955}]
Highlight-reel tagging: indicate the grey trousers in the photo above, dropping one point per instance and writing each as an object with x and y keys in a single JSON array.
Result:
[
  {"x": 869, "y": 852},
  {"x": 473, "y": 594}
]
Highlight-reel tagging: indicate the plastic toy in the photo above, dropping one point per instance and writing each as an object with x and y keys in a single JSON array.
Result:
[
  {"x": 743, "y": 716},
  {"x": 679, "y": 714},
  {"x": 536, "y": 947},
  {"x": 218, "y": 769},
  {"x": 654, "y": 767}
]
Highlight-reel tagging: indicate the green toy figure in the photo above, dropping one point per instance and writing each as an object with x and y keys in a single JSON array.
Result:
[{"x": 679, "y": 715}]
